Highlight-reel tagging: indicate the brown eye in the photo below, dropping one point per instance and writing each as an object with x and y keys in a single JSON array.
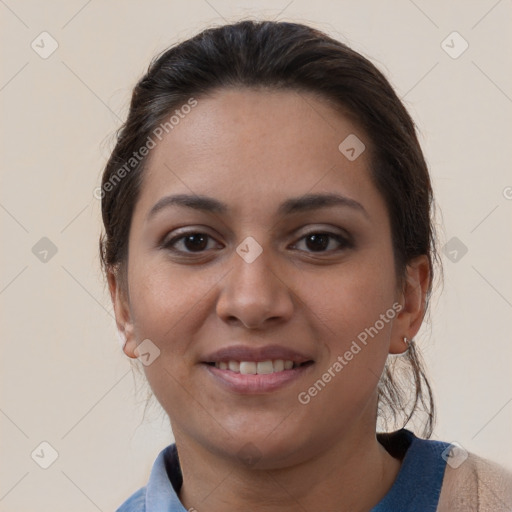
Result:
[
  {"x": 323, "y": 242},
  {"x": 189, "y": 242}
]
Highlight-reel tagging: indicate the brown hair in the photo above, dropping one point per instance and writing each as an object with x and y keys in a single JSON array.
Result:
[{"x": 288, "y": 56}]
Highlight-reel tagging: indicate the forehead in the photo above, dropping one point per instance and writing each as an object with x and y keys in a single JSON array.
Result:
[{"x": 255, "y": 147}]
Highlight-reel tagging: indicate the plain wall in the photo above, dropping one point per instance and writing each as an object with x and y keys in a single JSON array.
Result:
[{"x": 64, "y": 377}]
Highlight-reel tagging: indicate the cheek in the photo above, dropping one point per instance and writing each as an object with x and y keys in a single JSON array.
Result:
[
  {"x": 353, "y": 307},
  {"x": 168, "y": 305},
  {"x": 355, "y": 318},
  {"x": 166, "y": 302},
  {"x": 352, "y": 296}
]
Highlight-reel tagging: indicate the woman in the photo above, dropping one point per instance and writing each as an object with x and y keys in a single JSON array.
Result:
[{"x": 270, "y": 254}]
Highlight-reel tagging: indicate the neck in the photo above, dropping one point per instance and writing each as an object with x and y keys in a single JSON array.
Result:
[{"x": 353, "y": 474}]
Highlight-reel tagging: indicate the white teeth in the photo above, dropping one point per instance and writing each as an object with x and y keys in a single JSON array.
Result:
[
  {"x": 248, "y": 368},
  {"x": 260, "y": 367},
  {"x": 234, "y": 366},
  {"x": 265, "y": 367},
  {"x": 278, "y": 365}
]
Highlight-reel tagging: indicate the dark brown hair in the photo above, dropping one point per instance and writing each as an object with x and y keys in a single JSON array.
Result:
[{"x": 289, "y": 56}]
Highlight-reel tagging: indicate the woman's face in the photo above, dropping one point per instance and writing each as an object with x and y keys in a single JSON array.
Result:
[{"x": 259, "y": 271}]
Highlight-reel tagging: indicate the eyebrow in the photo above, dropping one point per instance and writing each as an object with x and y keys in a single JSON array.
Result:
[{"x": 304, "y": 203}]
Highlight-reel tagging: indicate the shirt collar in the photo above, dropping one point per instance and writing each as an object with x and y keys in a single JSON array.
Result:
[{"x": 165, "y": 477}]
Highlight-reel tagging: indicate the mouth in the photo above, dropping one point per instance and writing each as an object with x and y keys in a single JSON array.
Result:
[
  {"x": 255, "y": 377},
  {"x": 247, "y": 369},
  {"x": 258, "y": 367}
]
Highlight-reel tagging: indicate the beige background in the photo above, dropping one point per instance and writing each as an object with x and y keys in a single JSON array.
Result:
[{"x": 64, "y": 378}]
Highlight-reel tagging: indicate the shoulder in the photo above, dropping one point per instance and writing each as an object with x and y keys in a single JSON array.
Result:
[
  {"x": 478, "y": 485},
  {"x": 135, "y": 503}
]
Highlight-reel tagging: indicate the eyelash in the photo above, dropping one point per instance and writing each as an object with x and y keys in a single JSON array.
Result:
[{"x": 344, "y": 241}]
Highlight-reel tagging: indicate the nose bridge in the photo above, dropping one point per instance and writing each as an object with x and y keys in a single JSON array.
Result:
[
  {"x": 252, "y": 292},
  {"x": 253, "y": 264}
]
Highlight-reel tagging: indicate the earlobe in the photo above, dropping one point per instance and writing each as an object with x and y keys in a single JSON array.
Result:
[
  {"x": 123, "y": 315},
  {"x": 130, "y": 345},
  {"x": 413, "y": 299}
]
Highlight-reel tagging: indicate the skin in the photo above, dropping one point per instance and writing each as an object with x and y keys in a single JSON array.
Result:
[{"x": 253, "y": 150}]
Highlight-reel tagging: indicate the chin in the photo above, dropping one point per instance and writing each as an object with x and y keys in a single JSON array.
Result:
[{"x": 264, "y": 449}]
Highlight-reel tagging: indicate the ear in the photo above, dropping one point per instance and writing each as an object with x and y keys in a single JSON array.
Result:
[
  {"x": 122, "y": 312},
  {"x": 413, "y": 299}
]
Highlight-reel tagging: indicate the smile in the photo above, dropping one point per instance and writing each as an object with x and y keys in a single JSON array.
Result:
[
  {"x": 256, "y": 377},
  {"x": 257, "y": 367}
]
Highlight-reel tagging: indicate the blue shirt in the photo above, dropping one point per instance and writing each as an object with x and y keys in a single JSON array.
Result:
[{"x": 417, "y": 486}]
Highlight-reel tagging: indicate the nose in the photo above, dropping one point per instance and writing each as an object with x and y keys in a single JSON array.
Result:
[{"x": 255, "y": 294}]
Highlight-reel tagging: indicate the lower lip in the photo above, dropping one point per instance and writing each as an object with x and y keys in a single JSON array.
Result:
[{"x": 252, "y": 384}]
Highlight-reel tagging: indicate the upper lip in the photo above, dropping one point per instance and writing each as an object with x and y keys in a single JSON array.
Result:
[{"x": 249, "y": 353}]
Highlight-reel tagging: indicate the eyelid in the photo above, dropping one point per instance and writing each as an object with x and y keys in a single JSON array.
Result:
[
  {"x": 328, "y": 230},
  {"x": 184, "y": 231}
]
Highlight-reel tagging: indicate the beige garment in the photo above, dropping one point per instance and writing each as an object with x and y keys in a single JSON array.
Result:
[{"x": 477, "y": 485}]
